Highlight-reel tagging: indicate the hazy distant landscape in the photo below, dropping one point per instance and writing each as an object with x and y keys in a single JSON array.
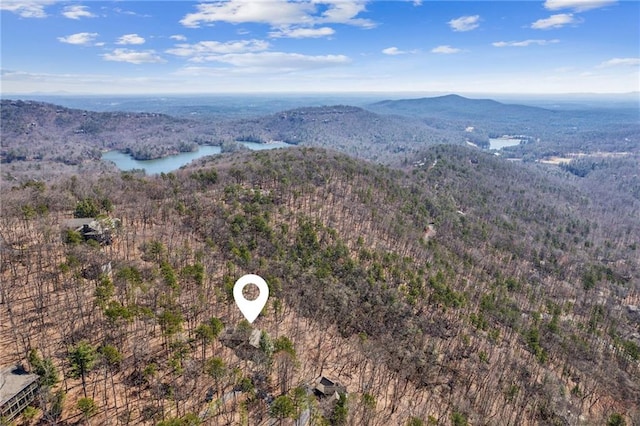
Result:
[{"x": 390, "y": 132}]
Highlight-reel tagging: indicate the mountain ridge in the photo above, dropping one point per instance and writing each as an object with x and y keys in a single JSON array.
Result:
[{"x": 453, "y": 103}]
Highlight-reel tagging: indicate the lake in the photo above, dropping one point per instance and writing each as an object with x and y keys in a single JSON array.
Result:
[
  {"x": 174, "y": 162},
  {"x": 499, "y": 143}
]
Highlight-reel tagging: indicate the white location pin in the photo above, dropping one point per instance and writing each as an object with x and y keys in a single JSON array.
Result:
[{"x": 251, "y": 308}]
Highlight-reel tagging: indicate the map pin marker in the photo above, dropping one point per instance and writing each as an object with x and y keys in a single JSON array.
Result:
[{"x": 251, "y": 308}]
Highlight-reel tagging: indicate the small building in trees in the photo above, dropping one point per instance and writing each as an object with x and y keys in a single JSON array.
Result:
[
  {"x": 328, "y": 388},
  {"x": 239, "y": 337},
  {"x": 18, "y": 389},
  {"x": 90, "y": 228},
  {"x": 245, "y": 342}
]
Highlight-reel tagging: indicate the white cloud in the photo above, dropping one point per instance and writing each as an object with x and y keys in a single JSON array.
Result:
[
  {"x": 133, "y": 56},
  {"x": 278, "y": 13},
  {"x": 130, "y": 13},
  {"x": 344, "y": 12},
  {"x": 392, "y": 51},
  {"x": 288, "y": 32},
  {"x": 77, "y": 12},
  {"x": 130, "y": 39},
  {"x": 26, "y": 9},
  {"x": 280, "y": 61},
  {"x": 620, "y": 62},
  {"x": 210, "y": 50},
  {"x": 555, "y": 21},
  {"x": 178, "y": 37},
  {"x": 81, "y": 39},
  {"x": 395, "y": 51},
  {"x": 465, "y": 23},
  {"x": 524, "y": 43},
  {"x": 447, "y": 50},
  {"x": 577, "y": 5}
]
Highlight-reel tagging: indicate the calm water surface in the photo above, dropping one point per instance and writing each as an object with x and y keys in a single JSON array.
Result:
[
  {"x": 173, "y": 162},
  {"x": 499, "y": 143}
]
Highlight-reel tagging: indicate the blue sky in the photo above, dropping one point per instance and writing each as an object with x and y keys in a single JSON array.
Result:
[{"x": 147, "y": 47}]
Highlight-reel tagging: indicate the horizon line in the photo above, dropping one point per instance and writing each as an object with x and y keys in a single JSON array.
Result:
[{"x": 319, "y": 93}]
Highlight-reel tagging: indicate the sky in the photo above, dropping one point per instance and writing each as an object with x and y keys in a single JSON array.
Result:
[{"x": 328, "y": 46}]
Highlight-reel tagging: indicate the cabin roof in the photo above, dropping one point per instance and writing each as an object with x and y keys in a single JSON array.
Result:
[
  {"x": 78, "y": 222},
  {"x": 13, "y": 379},
  {"x": 326, "y": 382}
]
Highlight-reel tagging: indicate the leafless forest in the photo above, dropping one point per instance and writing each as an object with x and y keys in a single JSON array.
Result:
[{"x": 466, "y": 290}]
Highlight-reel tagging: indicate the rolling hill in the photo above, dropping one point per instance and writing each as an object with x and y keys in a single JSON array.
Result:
[
  {"x": 553, "y": 130},
  {"x": 468, "y": 289},
  {"x": 47, "y": 132},
  {"x": 51, "y": 132},
  {"x": 352, "y": 130},
  {"x": 460, "y": 108},
  {"x": 389, "y": 132}
]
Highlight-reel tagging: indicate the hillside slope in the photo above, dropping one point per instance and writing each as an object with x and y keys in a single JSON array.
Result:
[
  {"x": 36, "y": 132},
  {"x": 471, "y": 289},
  {"x": 459, "y": 107},
  {"x": 40, "y": 131},
  {"x": 589, "y": 129},
  {"x": 352, "y": 130}
]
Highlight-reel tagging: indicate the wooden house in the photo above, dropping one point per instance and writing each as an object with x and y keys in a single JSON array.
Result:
[
  {"x": 327, "y": 387},
  {"x": 18, "y": 389},
  {"x": 91, "y": 228}
]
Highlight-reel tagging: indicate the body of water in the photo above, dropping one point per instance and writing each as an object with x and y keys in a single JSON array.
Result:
[
  {"x": 174, "y": 162},
  {"x": 499, "y": 143},
  {"x": 262, "y": 146}
]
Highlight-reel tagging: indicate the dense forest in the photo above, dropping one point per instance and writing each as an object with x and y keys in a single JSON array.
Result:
[{"x": 457, "y": 288}]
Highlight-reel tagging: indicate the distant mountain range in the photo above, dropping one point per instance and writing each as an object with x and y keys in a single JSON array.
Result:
[
  {"x": 497, "y": 117},
  {"x": 45, "y": 131},
  {"x": 459, "y": 108},
  {"x": 391, "y": 132}
]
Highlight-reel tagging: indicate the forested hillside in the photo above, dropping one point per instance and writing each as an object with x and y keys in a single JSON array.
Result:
[
  {"x": 37, "y": 134},
  {"x": 40, "y": 131},
  {"x": 357, "y": 132},
  {"x": 59, "y": 137},
  {"x": 469, "y": 290},
  {"x": 548, "y": 132}
]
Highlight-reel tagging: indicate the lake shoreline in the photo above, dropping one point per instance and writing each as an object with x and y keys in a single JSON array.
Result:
[{"x": 124, "y": 161}]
